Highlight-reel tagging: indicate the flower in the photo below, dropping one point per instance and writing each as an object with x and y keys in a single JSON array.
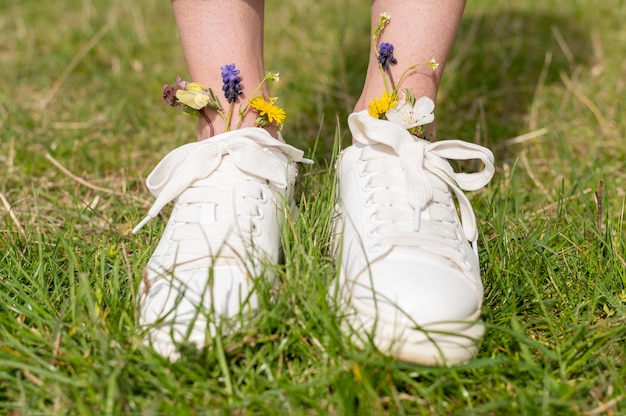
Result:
[
  {"x": 194, "y": 95},
  {"x": 190, "y": 97},
  {"x": 231, "y": 81},
  {"x": 194, "y": 99},
  {"x": 383, "y": 20},
  {"x": 379, "y": 106},
  {"x": 169, "y": 95},
  {"x": 273, "y": 76},
  {"x": 385, "y": 55},
  {"x": 268, "y": 111},
  {"x": 181, "y": 83},
  {"x": 411, "y": 113},
  {"x": 195, "y": 87}
]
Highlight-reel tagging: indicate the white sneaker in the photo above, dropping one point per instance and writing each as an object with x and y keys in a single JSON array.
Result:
[
  {"x": 230, "y": 193},
  {"x": 409, "y": 266}
]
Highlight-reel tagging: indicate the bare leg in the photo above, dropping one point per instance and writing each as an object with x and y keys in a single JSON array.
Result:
[
  {"x": 420, "y": 30},
  {"x": 217, "y": 33}
]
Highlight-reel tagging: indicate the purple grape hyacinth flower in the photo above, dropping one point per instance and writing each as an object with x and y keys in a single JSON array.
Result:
[
  {"x": 385, "y": 55},
  {"x": 231, "y": 87}
]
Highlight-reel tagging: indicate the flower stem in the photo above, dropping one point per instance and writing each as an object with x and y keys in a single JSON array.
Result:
[
  {"x": 382, "y": 71},
  {"x": 393, "y": 84},
  {"x": 229, "y": 116},
  {"x": 242, "y": 112},
  {"x": 206, "y": 118}
]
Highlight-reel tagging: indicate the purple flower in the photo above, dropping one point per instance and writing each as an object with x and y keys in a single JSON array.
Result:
[
  {"x": 169, "y": 94},
  {"x": 385, "y": 55},
  {"x": 231, "y": 87},
  {"x": 182, "y": 84}
]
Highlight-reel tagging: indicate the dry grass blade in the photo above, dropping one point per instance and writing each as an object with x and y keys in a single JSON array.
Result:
[
  {"x": 554, "y": 205},
  {"x": 75, "y": 61},
  {"x": 9, "y": 210},
  {"x": 605, "y": 125},
  {"x": 605, "y": 407},
  {"x": 523, "y": 138},
  {"x": 85, "y": 183}
]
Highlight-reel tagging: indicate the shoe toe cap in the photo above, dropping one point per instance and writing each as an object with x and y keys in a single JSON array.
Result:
[
  {"x": 423, "y": 291},
  {"x": 178, "y": 308},
  {"x": 222, "y": 290}
]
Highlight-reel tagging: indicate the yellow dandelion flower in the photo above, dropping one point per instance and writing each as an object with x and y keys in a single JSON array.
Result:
[
  {"x": 379, "y": 106},
  {"x": 268, "y": 110}
]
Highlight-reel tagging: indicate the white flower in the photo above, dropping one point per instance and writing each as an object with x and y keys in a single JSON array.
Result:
[{"x": 410, "y": 115}]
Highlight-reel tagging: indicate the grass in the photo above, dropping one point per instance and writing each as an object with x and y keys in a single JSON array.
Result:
[{"x": 541, "y": 83}]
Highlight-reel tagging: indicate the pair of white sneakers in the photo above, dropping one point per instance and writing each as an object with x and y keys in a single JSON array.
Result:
[{"x": 408, "y": 279}]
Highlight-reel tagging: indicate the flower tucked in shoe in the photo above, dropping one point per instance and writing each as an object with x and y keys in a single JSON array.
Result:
[
  {"x": 409, "y": 271},
  {"x": 230, "y": 194},
  {"x": 193, "y": 98}
]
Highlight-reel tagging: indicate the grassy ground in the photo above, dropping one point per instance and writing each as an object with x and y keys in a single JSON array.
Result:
[{"x": 541, "y": 83}]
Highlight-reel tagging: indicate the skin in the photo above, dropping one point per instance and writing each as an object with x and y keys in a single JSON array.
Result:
[
  {"x": 420, "y": 30},
  {"x": 211, "y": 36}
]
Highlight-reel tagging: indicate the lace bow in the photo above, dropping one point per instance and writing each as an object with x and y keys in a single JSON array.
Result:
[
  {"x": 252, "y": 150},
  {"x": 418, "y": 157}
]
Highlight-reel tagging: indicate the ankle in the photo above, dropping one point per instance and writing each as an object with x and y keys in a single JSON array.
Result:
[{"x": 213, "y": 124}]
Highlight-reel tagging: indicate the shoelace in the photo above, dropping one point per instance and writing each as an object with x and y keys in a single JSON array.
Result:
[
  {"x": 250, "y": 149},
  {"x": 420, "y": 158}
]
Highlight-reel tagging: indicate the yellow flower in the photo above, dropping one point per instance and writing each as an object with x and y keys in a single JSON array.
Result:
[
  {"x": 379, "y": 106},
  {"x": 194, "y": 99},
  {"x": 194, "y": 86},
  {"x": 268, "y": 110}
]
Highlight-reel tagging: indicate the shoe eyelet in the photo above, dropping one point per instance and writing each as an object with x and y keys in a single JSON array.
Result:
[
  {"x": 374, "y": 247},
  {"x": 373, "y": 233},
  {"x": 368, "y": 202},
  {"x": 260, "y": 214},
  {"x": 256, "y": 231},
  {"x": 263, "y": 199}
]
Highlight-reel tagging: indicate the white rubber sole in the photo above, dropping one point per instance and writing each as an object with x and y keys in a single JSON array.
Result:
[{"x": 434, "y": 344}]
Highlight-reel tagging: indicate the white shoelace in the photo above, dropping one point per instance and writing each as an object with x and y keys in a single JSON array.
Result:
[
  {"x": 251, "y": 150},
  {"x": 421, "y": 160}
]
